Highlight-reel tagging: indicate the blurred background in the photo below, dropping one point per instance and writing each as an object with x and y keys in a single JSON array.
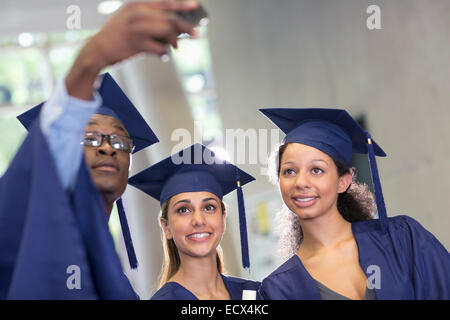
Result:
[{"x": 254, "y": 54}]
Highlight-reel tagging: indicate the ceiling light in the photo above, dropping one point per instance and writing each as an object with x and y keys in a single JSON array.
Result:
[
  {"x": 25, "y": 39},
  {"x": 108, "y": 7},
  {"x": 195, "y": 83}
]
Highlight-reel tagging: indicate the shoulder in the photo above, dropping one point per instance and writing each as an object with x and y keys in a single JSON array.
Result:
[
  {"x": 163, "y": 292},
  {"x": 283, "y": 273},
  {"x": 290, "y": 281},
  {"x": 246, "y": 284},
  {"x": 405, "y": 235},
  {"x": 405, "y": 222},
  {"x": 291, "y": 264},
  {"x": 411, "y": 230},
  {"x": 169, "y": 291},
  {"x": 402, "y": 229}
]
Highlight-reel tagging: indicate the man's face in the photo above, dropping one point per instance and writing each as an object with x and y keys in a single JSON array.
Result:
[{"x": 109, "y": 167}]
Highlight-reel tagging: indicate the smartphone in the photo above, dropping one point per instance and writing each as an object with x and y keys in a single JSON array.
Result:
[{"x": 196, "y": 17}]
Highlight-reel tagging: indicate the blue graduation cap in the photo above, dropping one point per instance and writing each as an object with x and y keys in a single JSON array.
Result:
[
  {"x": 196, "y": 169},
  {"x": 115, "y": 104},
  {"x": 334, "y": 132}
]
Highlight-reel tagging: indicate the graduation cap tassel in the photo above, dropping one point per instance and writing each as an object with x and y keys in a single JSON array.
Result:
[
  {"x": 382, "y": 215},
  {"x": 242, "y": 225},
  {"x": 126, "y": 235}
]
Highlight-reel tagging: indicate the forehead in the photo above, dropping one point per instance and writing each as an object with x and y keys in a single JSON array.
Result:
[
  {"x": 301, "y": 152},
  {"x": 106, "y": 123}
]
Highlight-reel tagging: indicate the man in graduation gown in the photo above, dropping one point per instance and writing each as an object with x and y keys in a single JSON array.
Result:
[{"x": 55, "y": 203}]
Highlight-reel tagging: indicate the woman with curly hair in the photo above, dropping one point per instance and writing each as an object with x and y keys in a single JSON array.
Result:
[{"x": 336, "y": 247}]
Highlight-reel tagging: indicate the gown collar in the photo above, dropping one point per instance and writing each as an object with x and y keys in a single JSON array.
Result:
[
  {"x": 374, "y": 250},
  {"x": 232, "y": 289}
]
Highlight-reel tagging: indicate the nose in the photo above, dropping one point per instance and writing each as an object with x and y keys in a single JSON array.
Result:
[
  {"x": 302, "y": 180},
  {"x": 198, "y": 219},
  {"x": 106, "y": 149}
]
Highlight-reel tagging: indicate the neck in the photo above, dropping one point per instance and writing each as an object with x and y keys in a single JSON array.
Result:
[
  {"x": 108, "y": 205},
  {"x": 324, "y": 232},
  {"x": 199, "y": 275}
]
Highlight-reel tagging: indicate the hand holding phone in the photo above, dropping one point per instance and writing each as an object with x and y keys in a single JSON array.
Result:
[{"x": 196, "y": 17}]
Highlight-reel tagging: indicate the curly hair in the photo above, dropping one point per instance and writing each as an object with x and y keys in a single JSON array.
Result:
[{"x": 355, "y": 204}]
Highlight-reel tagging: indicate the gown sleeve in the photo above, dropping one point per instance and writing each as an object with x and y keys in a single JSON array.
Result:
[
  {"x": 431, "y": 263},
  {"x": 62, "y": 121},
  {"x": 39, "y": 237},
  {"x": 54, "y": 244}
]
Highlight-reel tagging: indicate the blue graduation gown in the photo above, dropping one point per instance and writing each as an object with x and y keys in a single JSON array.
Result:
[
  {"x": 175, "y": 291},
  {"x": 412, "y": 264},
  {"x": 44, "y": 231}
]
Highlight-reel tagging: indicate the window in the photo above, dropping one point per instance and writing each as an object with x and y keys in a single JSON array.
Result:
[
  {"x": 193, "y": 62},
  {"x": 30, "y": 65}
]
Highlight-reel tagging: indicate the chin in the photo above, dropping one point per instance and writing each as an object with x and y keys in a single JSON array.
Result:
[
  {"x": 304, "y": 213},
  {"x": 200, "y": 252},
  {"x": 106, "y": 186}
]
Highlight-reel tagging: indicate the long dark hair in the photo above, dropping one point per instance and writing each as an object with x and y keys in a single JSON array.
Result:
[{"x": 355, "y": 204}]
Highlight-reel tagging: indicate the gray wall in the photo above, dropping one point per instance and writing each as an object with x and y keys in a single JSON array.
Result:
[{"x": 318, "y": 53}]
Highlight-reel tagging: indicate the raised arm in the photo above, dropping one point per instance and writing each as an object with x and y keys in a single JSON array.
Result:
[{"x": 148, "y": 27}]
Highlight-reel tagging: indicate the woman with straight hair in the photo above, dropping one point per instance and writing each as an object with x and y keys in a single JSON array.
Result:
[{"x": 190, "y": 186}]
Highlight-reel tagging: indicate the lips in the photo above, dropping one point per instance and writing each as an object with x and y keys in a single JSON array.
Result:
[
  {"x": 106, "y": 166},
  {"x": 199, "y": 236},
  {"x": 305, "y": 201}
]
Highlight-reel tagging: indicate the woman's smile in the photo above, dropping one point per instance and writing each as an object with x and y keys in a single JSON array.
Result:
[
  {"x": 305, "y": 201},
  {"x": 199, "y": 236}
]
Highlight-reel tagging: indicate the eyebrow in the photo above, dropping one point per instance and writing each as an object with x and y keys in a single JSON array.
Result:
[
  {"x": 315, "y": 160},
  {"x": 189, "y": 201},
  {"x": 320, "y": 160},
  {"x": 92, "y": 122},
  {"x": 288, "y": 162},
  {"x": 182, "y": 201},
  {"x": 208, "y": 199}
]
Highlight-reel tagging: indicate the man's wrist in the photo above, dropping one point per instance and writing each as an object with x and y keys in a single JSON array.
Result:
[{"x": 81, "y": 77}]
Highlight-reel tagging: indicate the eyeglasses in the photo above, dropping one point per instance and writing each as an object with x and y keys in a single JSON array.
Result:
[{"x": 118, "y": 142}]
